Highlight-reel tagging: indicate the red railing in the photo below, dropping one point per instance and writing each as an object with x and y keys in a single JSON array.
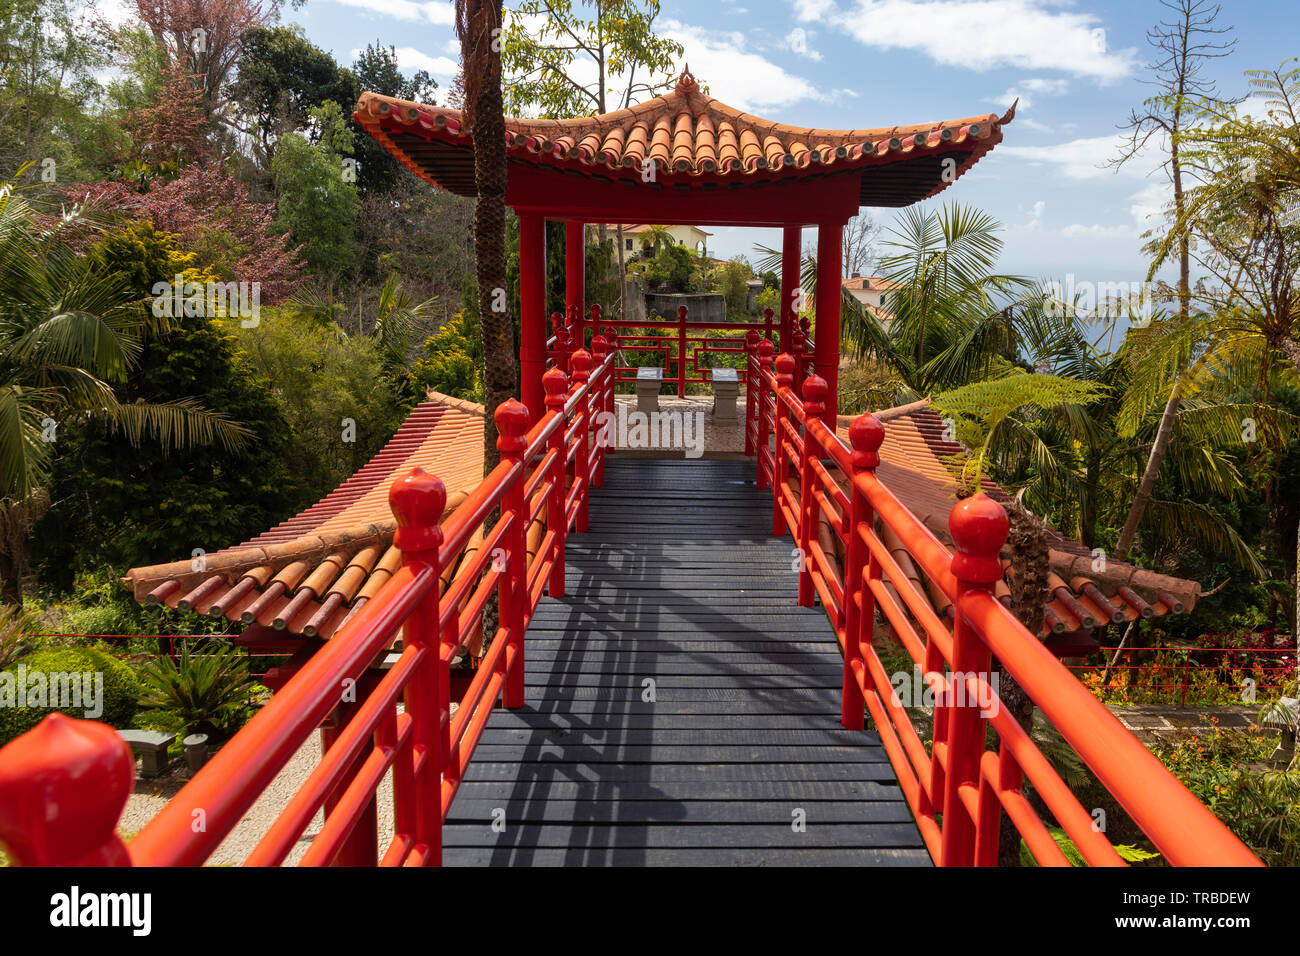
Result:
[
  {"x": 63, "y": 784},
  {"x": 957, "y": 787}
]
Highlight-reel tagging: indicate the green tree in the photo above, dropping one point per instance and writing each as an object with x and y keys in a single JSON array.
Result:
[
  {"x": 48, "y": 59},
  {"x": 376, "y": 70},
  {"x": 318, "y": 199},
  {"x": 616, "y": 43},
  {"x": 282, "y": 77}
]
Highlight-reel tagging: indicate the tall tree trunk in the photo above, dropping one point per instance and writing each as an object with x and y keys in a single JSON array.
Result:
[
  {"x": 1030, "y": 592},
  {"x": 478, "y": 24},
  {"x": 1148, "y": 482}
]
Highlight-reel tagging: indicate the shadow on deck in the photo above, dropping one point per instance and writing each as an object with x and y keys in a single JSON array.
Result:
[{"x": 681, "y": 708}]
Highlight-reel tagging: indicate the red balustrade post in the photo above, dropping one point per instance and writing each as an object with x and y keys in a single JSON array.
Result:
[
  {"x": 978, "y": 527},
  {"x": 751, "y": 384},
  {"x": 866, "y": 435},
  {"x": 575, "y": 277},
  {"x": 765, "y": 349},
  {"x": 512, "y": 425},
  {"x": 532, "y": 310},
  {"x": 417, "y": 502},
  {"x": 602, "y": 400},
  {"x": 681, "y": 351},
  {"x": 63, "y": 786},
  {"x": 561, "y": 355},
  {"x": 814, "y": 394},
  {"x": 781, "y": 465},
  {"x": 582, "y": 455},
  {"x": 556, "y": 384},
  {"x": 595, "y": 325},
  {"x": 767, "y": 324},
  {"x": 800, "y": 354}
]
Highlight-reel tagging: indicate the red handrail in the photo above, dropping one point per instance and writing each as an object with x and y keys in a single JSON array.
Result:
[
  {"x": 546, "y": 470},
  {"x": 957, "y": 788}
]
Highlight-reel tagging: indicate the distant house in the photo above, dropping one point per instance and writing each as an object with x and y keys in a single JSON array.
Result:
[
  {"x": 692, "y": 237},
  {"x": 871, "y": 292}
]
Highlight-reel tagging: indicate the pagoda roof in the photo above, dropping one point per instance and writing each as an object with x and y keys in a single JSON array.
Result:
[
  {"x": 308, "y": 574},
  {"x": 694, "y": 141}
]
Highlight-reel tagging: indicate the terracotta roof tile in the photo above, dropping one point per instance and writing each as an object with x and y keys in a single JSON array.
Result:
[
  {"x": 688, "y": 134},
  {"x": 309, "y": 572},
  {"x": 912, "y": 466}
]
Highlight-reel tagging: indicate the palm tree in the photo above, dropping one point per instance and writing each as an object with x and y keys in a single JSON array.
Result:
[
  {"x": 478, "y": 26},
  {"x": 68, "y": 333}
]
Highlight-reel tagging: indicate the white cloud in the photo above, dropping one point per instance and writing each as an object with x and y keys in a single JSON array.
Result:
[
  {"x": 1081, "y": 159},
  {"x": 1098, "y": 231},
  {"x": 439, "y": 12},
  {"x": 733, "y": 74},
  {"x": 409, "y": 58},
  {"x": 982, "y": 34},
  {"x": 797, "y": 41},
  {"x": 807, "y": 10},
  {"x": 1027, "y": 91}
]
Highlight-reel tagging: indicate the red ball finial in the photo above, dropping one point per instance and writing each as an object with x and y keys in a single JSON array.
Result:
[
  {"x": 418, "y": 501},
  {"x": 681, "y": 312},
  {"x": 815, "y": 391},
  {"x": 63, "y": 786},
  {"x": 784, "y": 369},
  {"x": 556, "y": 383},
  {"x": 512, "y": 423},
  {"x": 978, "y": 527},
  {"x": 581, "y": 362},
  {"x": 595, "y": 312},
  {"x": 866, "y": 435},
  {"x": 557, "y": 322},
  {"x": 611, "y": 336},
  {"x": 751, "y": 339},
  {"x": 767, "y": 314},
  {"x": 600, "y": 346},
  {"x": 765, "y": 350}
]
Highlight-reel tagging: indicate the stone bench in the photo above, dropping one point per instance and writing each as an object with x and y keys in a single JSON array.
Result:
[
  {"x": 151, "y": 747},
  {"x": 648, "y": 381},
  {"x": 196, "y": 751},
  {"x": 726, "y": 390}
]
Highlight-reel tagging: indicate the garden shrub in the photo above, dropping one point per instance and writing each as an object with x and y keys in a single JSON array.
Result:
[{"x": 121, "y": 689}]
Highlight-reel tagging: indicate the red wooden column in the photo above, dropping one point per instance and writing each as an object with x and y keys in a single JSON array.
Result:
[
  {"x": 532, "y": 312},
  {"x": 790, "y": 239},
  {"x": 575, "y": 280},
  {"x": 826, "y": 333}
]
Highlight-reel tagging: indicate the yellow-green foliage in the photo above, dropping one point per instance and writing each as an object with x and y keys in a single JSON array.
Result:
[{"x": 978, "y": 411}]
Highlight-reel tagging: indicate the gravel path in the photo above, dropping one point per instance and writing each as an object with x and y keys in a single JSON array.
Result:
[{"x": 150, "y": 796}]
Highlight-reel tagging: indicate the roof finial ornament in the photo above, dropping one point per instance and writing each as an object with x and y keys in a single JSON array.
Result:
[{"x": 686, "y": 82}]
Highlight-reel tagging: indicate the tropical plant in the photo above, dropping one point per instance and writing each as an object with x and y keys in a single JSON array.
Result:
[
  {"x": 207, "y": 691},
  {"x": 68, "y": 333}
]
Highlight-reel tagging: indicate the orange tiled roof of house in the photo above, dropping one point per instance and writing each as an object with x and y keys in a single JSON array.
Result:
[
  {"x": 309, "y": 573},
  {"x": 870, "y": 284},
  {"x": 689, "y": 134},
  {"x": 913, "y": 466}
]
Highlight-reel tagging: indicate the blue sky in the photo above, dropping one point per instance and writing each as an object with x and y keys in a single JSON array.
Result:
[{"x": 1077, "y": 68}]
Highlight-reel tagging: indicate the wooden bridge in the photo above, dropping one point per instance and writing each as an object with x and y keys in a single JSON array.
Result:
[
  {"x": 680, "y": 708},
  {"x": 658, "y": 684}
]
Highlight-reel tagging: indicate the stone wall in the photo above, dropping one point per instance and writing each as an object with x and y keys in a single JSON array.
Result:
[{"x": 704, "y": 307}]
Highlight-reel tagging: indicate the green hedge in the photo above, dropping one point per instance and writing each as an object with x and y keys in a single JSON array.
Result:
[{"x": 121, "y": 689}]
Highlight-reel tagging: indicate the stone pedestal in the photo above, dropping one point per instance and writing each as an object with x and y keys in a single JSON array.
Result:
[
  {"x": 726, "y": 389},
  {"x": 648, "y": 381}
]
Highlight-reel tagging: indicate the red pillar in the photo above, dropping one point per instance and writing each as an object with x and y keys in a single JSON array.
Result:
[
  {"x": 575, "y": 290},
  {"x": 826, "y": 333},
  {"x": 790, "y": 239},
  {"x": 532, "y": 312}
]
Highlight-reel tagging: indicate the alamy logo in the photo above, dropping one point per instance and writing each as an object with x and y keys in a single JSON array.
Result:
[
  {"x": 74, "y": 908},
  {"x": 189, "y": 299},
  {"x": 60, "y": 690},
  {"x": 670, "y": 429}
]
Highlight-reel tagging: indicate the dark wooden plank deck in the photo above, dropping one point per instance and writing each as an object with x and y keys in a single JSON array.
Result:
[{"x": 679, "y": 582}]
